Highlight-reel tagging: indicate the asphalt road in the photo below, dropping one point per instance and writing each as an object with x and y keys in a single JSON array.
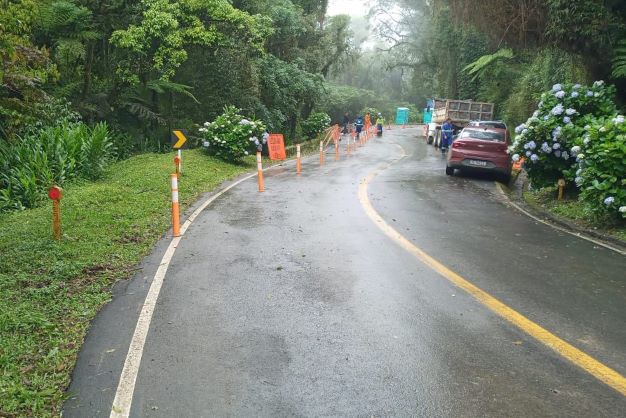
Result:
[{"x": 293, "y": 302}]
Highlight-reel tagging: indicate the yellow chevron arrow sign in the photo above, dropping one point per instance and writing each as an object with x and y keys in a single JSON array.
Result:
[{"x": 178, "y": 138}]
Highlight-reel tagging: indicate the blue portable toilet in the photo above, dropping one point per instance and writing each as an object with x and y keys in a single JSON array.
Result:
[
  {"x": 428, "y": 115},
  {"x": 402, "y": 116},
  {"x": 428, "y": 111}
]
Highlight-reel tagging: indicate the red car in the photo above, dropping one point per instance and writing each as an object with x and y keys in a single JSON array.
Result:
[{"x": 481, "y": 149}]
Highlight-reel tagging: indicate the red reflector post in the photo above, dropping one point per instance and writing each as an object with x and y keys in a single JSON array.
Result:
[{"x": 55, "y": 193}]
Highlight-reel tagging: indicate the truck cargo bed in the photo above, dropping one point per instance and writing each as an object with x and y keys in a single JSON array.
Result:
[{"x": 461, "y": 111}]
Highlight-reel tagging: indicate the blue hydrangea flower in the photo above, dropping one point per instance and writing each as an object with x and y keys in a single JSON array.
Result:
[
  {"x": 557, "y": 87},
  {"x": 515, "y": 157},
  {"x": 578, "y": 180},
  {"x": 598, "y": 83},
  {"x": 567, "y": 119},
  {"x": 575, "y": 150},
  {"x": 576, "y": 86},
  {"x": 559, "y": 94},
  {"x": 520, "y": 128},
  {"x": 565, "y": 155},
  {"x": 575, "y": 94},
  {"x": 534, "y": 157},
  {"x": 557, "y": 110},
  {"x": 570, "y": 111},
  {"x": 546, "y": 148},
  {"x": 556, "y": 145},
  {"x": 618, "y": 119},
  {"x": 557, "y": 153},
  {"x": 609, "y": 200},
  {"x": 589, "y": 93},
  {"x": 546, "y": 117},
  {"x": 528, "y": 153}
]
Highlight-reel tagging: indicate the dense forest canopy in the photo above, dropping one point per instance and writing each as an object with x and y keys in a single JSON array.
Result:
[
  {"x": 144, "y": 66},
  {"x": 505, "y": 52}
]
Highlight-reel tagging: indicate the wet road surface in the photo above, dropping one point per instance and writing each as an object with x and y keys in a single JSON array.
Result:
[{"x": 294, "y": 303}]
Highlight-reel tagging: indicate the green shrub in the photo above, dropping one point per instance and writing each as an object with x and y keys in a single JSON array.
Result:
[
  {"x": 51, "y": 156},
  {"x": 230, "y": 136},
  {"x": 601, "y": 175},
  {"x": 315, "y": 125},
  {"x": 548, "y": 138}
]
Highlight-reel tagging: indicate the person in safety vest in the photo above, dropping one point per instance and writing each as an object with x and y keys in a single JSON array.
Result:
[{"x": 380, "y": 121}]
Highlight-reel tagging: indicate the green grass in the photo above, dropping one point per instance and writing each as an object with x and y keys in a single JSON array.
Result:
[
  {"x": 50, "y": 291},
  {"x": 574, "y": 210}
]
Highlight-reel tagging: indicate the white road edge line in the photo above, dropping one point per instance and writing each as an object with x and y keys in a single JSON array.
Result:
[
  {"x": 126, "y": 387},
  {"x": 575, "y": 234}
]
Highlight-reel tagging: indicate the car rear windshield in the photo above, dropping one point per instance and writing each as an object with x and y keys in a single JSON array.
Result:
[
  {"x": 485, "y": 135},
  {"x": 497, "y": 125}
]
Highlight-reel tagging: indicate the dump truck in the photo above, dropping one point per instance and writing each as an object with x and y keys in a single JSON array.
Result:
[{"x": 460, "y": 112}]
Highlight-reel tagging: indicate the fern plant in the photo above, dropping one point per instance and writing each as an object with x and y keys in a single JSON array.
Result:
[
  {"x": 619, "y": 60},
  {"x": 478, "y": 67}
]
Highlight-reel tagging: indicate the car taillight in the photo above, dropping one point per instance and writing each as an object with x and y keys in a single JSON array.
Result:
[{"x": 458, "y": 145}]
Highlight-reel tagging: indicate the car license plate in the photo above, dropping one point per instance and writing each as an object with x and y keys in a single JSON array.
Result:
[{"x": 478, "y": 163}]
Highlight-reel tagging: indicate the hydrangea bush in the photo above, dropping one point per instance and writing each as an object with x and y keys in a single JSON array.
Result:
[
  {"x": 551, "y": 139},
  {"x": 231, "y": 136},
  {"x": 315, "y": 125},
  {"x": 601, "y": 173}
]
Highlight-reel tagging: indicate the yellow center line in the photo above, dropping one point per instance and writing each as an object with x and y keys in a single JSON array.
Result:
[{"x": 601, "y": 372}]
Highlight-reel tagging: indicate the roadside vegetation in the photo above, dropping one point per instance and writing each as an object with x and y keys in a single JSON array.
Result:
[
  {"x": 52, "y": 290},
  {"x": 576, "y": 135},
  {"x": 573, "y": 209}
]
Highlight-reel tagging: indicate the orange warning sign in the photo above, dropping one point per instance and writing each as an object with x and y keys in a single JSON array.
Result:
[{"x": 276, "y": 145}]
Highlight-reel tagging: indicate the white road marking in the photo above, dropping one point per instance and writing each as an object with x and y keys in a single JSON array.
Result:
[
  {"x": 126, "y": 387},
  {"x": 558, "y": 228}
]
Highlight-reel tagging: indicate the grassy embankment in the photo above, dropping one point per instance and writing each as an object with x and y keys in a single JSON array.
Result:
[
  {"x": 574, "y": 210},
  {"x": 50, "y": 291}
]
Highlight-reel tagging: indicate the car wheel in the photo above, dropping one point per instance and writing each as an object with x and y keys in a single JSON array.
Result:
[{"x": 449, "y": 171}]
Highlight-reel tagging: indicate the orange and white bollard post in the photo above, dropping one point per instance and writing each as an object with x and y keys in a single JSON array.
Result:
[
  {"x": 175, "y": 208},
  {"x": 298, "y": 160},
  {"x": 259, "y": 167},
  {"x": 321, "y": 152},
  {"x": 336, "y": 151},
  {"x": 180, "y": 161}
]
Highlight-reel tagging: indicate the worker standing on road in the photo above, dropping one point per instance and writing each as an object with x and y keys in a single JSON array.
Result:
[
  {"x": 380, "y": 121},
  {"x": 358, "y": 126},
  {"x": 446, "y": 135},
  {"x": 368, "y": 121},
  {"x": 346, "y": 122}
]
